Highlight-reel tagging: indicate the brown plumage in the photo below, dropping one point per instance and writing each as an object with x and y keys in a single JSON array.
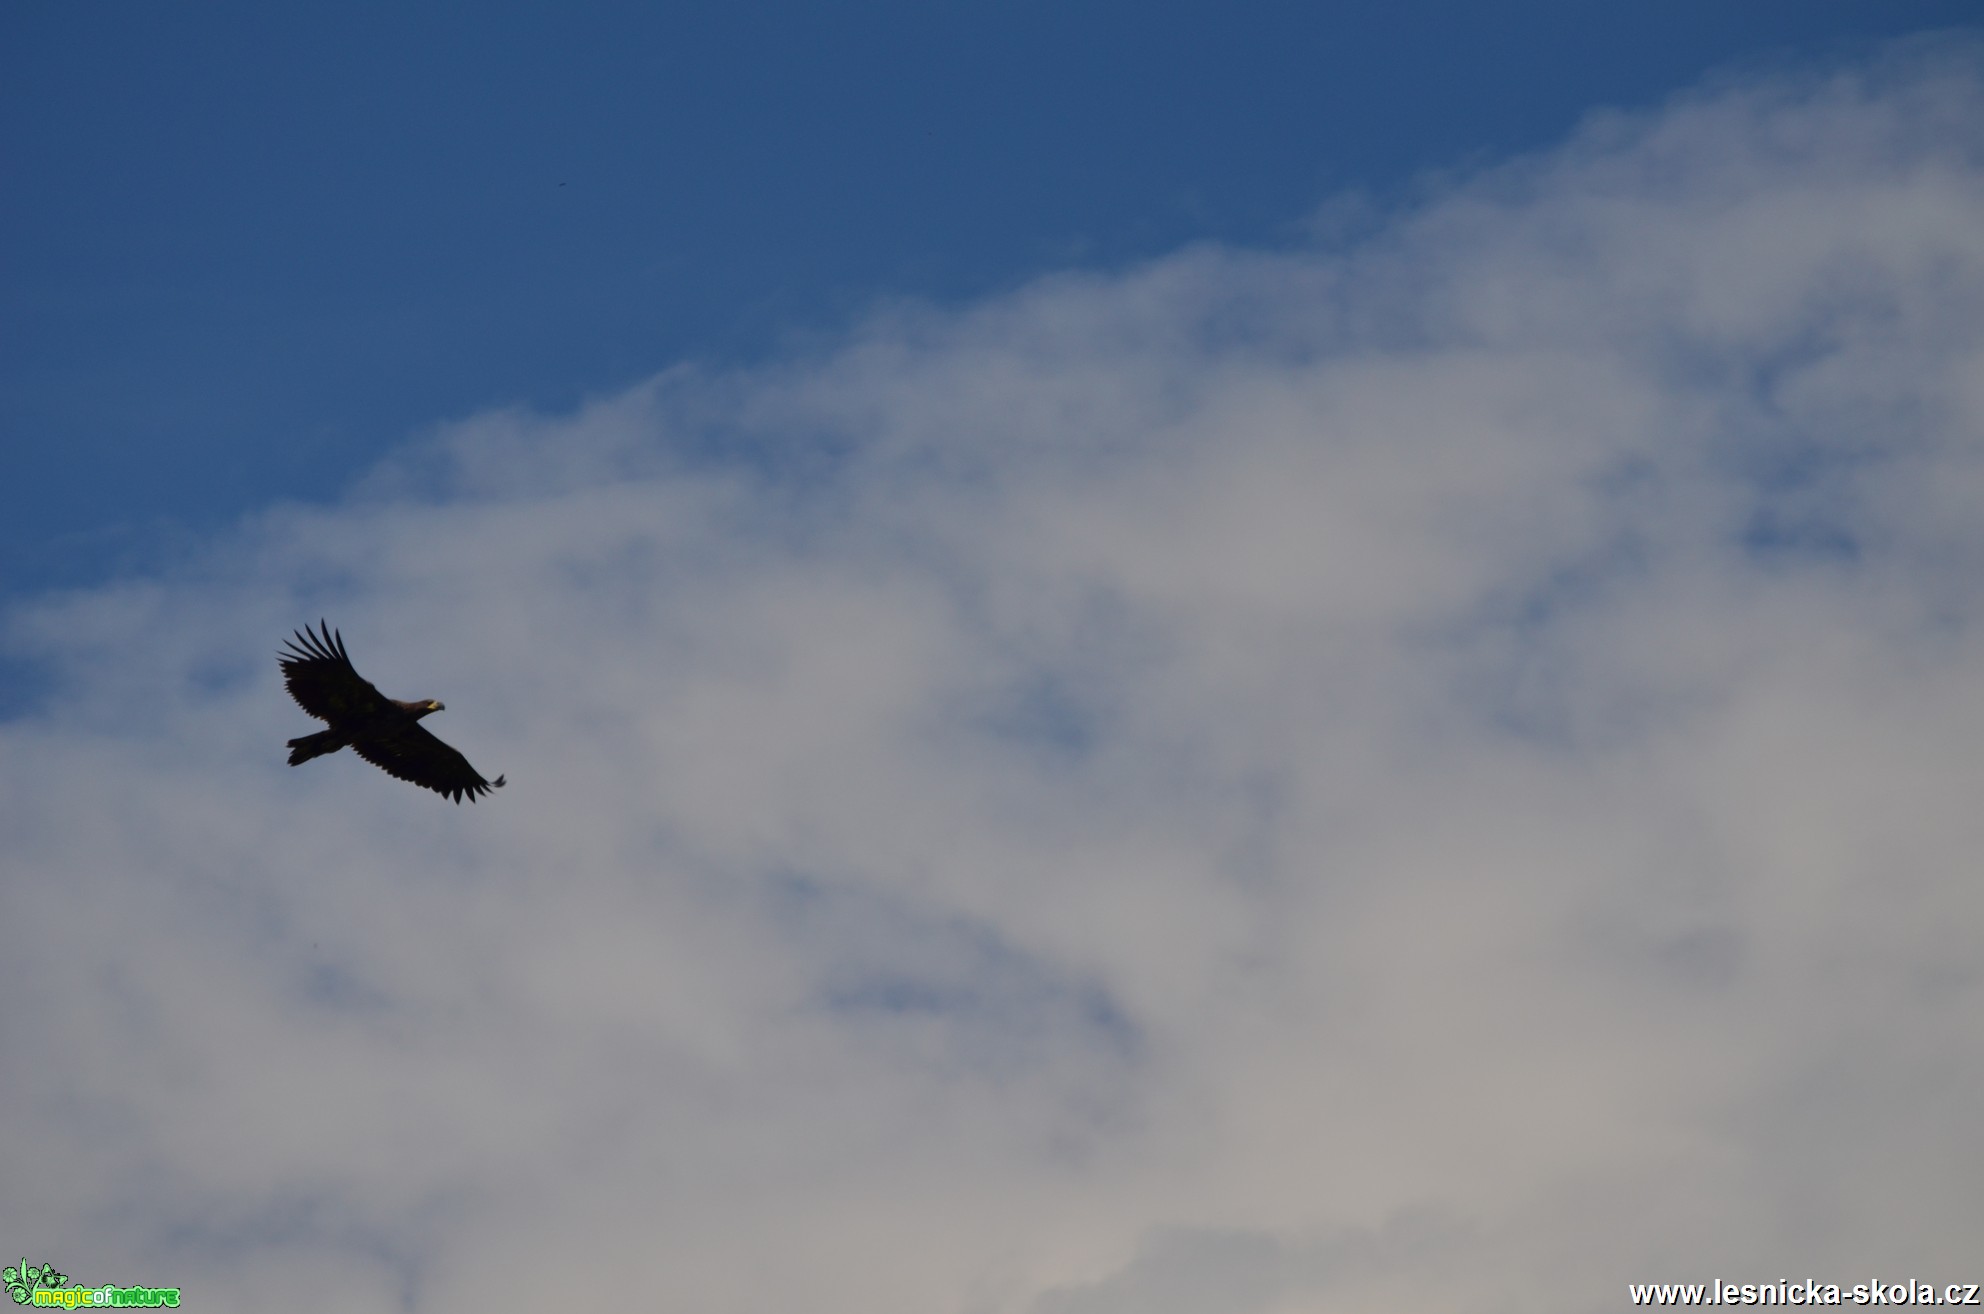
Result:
[{"x": 384, "y": 731}]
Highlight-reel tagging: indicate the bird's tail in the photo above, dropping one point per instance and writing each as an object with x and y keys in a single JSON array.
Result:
[{"x": 324, "y": 741}]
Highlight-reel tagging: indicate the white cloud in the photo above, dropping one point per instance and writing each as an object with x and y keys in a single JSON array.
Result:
[{"x": 1436, "y": 775}]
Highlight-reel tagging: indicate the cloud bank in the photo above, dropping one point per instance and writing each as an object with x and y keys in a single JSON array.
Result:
[{"x": 1433, "y": 773}]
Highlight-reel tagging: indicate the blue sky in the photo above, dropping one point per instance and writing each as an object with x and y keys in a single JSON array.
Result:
[
  {"x": 1194, "y": 667},
  {"x": 251, "y": 248}
]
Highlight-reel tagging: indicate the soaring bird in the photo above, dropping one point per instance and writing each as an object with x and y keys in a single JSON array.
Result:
[{"x": 384, "y": 731}]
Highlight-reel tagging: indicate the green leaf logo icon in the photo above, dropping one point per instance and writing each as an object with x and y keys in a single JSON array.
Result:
[{"x": 22, "y": 1279}]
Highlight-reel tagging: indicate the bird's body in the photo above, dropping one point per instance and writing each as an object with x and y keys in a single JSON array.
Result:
[{"x": 384, "y": 731}]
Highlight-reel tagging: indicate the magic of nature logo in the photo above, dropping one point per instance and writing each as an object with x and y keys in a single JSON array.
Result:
[{"x": 40, "y": 1284}]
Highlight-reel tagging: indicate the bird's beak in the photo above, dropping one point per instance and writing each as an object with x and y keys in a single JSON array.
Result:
[{"x": 436, "y": 705}]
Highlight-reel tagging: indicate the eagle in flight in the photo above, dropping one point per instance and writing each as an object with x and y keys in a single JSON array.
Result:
[{"x": 384, "y": 731}]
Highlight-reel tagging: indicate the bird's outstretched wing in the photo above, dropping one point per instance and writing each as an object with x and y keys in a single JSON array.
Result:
[
  {"x": 320, "y": 677},
  {"x": 415, "y": 756}
]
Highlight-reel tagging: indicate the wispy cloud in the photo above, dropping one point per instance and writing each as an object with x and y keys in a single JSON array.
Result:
[{"x": 1437, "y": 773}]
